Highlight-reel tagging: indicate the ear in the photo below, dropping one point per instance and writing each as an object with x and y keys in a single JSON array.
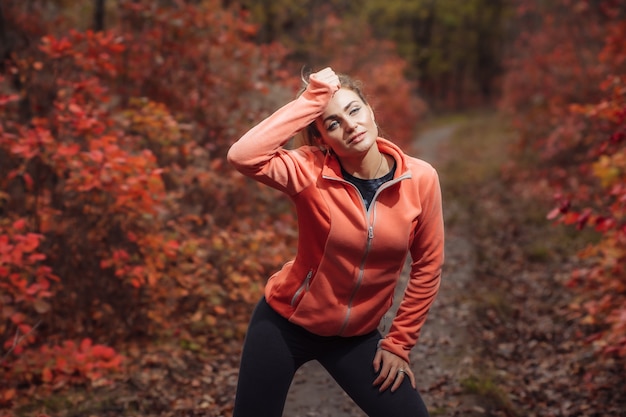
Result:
[{"x": 320, "y": 142}]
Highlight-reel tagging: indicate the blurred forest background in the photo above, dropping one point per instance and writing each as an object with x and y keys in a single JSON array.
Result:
[{"x": 127, "y": 240}]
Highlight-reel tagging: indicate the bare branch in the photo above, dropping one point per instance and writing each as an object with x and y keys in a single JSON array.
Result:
[{"x": 17, "y": 340}]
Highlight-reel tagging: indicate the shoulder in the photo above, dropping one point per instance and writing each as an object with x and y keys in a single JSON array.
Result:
[
  {"x": 304, "y": 158},
  {"x": 418, "y": 168}
]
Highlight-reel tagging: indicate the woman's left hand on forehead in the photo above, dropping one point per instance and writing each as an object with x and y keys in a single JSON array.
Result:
[{"x": 327, "y": 76}]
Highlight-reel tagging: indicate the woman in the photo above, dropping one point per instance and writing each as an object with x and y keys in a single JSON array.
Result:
[{"x": 362, "y": 206}]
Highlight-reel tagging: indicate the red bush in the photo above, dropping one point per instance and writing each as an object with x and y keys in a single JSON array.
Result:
[{"x": 567, "y": 89}]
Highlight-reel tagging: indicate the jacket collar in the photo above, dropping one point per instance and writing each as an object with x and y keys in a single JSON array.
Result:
[{"x": 332, "y": 168}]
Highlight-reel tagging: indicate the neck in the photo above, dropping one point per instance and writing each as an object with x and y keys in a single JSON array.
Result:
[{"x": 373, "y": 165}]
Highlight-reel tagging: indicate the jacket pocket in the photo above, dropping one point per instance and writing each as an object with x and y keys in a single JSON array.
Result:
[{"x": 303, "y": 288}]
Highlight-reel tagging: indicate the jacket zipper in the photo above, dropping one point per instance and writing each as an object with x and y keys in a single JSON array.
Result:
[
  {"x": 303, "y": 287},
  {"x": 370, "y": 237},
  {"x": 368, "y": 245}
]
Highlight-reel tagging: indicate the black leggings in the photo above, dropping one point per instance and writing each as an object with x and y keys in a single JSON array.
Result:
[{"x": 274, "y": 349}]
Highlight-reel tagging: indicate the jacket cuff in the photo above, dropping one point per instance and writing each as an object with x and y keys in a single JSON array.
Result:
[{"x": 396, "y": 349}]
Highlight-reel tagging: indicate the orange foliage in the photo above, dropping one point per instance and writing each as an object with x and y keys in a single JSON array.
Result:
[
  {"x": 567, "y": 87},
  {"x": 121, "y": 217}
]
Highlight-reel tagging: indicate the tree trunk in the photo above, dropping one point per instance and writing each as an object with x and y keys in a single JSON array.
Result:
[
  {"x": 4, "y": 41},
  {"x": 98, "y": 16}
]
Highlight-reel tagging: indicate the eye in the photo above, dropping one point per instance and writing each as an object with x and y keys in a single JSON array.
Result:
[
  {"x": 332, "y": 125},
  {"x": 354, "y": 110}
]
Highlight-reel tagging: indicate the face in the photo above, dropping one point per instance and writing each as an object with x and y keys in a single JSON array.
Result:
[{"x": 347, "y": 125}]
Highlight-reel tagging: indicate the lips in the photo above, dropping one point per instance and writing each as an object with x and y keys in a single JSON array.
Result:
[{"x": 358, "y": 137}]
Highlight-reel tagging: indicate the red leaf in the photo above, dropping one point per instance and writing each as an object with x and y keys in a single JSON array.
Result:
[
  {"x": 103, "y": 352},
  {"x": 19, "y": 224},
  {"x": 36, "y": 257},
  {"x": 96, "y": 156},
  {"x": 7, "y": 99},
  {"x": 67, "y": 150},
  {"x": 75, "y": 108},
  {"x": 28, "y": 180},
  {"x": 85, "y": 345},
  {"x": 46, "y": 375},
  {"x": 554, "y": 213},
  {"x": 171, "y": 248},
  {"x": 30, "y": 242},
  {"x": 8, "y": 395},
  {"x": 17, "y": 318}
]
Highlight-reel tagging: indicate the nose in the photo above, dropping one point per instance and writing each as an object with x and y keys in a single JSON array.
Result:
[{"x": 351, "y": 125}]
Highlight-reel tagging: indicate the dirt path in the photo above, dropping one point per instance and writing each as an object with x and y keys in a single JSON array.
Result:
[{"x": 443, "y": 358}]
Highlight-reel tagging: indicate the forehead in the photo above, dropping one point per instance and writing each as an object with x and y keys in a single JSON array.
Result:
[{"x": 342, "y": 98}]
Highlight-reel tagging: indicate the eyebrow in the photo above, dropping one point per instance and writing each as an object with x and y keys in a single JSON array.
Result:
[{"x": 333, "y": 116}]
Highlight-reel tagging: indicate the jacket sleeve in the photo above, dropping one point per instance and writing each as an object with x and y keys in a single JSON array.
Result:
[
  {"x": 427, "y": 253},
  {"x": 259, "y": 153}
]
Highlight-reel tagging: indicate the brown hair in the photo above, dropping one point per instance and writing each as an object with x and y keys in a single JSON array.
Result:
[{"x": 310, "y": 135}]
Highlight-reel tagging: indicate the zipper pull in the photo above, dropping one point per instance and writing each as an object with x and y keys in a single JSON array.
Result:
[{"x": 370, "y": 232}]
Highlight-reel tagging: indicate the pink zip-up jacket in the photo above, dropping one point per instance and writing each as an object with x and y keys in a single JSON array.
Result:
[{"x": 342, "y": 279}]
